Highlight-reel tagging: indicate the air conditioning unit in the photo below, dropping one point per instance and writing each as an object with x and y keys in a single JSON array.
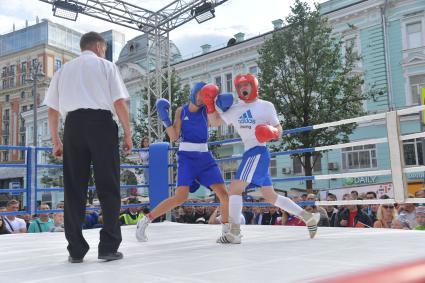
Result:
[
  {"x": 332, "y": 166},
  {"x": 286, "y": 170}
]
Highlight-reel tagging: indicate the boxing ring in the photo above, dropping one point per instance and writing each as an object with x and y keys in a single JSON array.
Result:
[{"x": 188, "y": 252}]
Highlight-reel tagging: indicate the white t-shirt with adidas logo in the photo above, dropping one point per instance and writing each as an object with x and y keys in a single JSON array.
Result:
[{"x": 246, "y": 116}]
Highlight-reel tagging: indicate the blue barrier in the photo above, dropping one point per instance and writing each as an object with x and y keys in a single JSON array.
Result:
[
  {"x": 27, "y": 188},
  {"x": 158, "y": 173},
  {"x": 159, "y": 186}
]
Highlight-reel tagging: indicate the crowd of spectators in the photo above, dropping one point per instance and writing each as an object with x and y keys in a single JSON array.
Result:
[{"x": 394, "y": 216}]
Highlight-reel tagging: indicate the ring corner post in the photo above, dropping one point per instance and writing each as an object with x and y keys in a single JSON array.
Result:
[{"x": 158, "y": 173}]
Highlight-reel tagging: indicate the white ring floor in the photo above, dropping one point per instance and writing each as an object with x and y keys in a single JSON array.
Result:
[{"x": 188, "y": 253}]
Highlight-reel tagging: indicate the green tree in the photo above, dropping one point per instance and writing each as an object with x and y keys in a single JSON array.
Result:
[
  {"x": 179, "y": 96},
  {"x": 308, "y": 75}
]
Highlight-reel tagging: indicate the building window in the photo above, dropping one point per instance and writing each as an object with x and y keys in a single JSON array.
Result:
[
  {"x": 253, "y": 70},
  {"x": 229, "y": 83},
  {"x": 359, "y": 157},
  {"x": 416, "y": 85},
  {"x": 23, "y": 79},
  {"x": 352, "y": 43},
  {"x": 12, "y": 70},
  {"x": 317, "y": 164},
  {"x": 412, "y": 150},
  {"x": 6, "y": 140},
  {"x": 272, "y": 168},
  {"x": 5, "y": 156},
  {"x": 4, "y": 72},
  {"x": 23, "y": 67},
  {"x": 217, "y": 81},
  {"x": 24, "y": 108},
  {"x": 12, "y": 82},
  {"x": 22, "y": 154},
  {"x": 34, "y": 62},
  {"x": 414, "y": 34},
  {"x": 229, "y": 169},
  {"x": 22, "y": 94},
  {"x": 58, "y": 64},
  {"x": 7, "y": 97}
]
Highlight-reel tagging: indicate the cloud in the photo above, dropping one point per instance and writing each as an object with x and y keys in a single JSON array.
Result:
[
  {"x": 190, "y": 45},
  {"x": 249, "y": 17}
]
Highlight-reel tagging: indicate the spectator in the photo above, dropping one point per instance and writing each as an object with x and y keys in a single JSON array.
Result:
[
  {"x": 270, "y": 215},
  {"x": 132, "y": 214},
  {"x": 58, "y": 223},
  {"x": 3, "y": 229},
  {"x": 420, "y": 218},
  {"x": 372, "y": 209},
  {"x": 27, "y": 218},
  {"x": 13, "y": 224},
  {"x": 189, "y": 212},
  {"x": 407, "y": 214},
  {"x": 289, "y": 220},
  {"x": 43, "y": 223},
  {"x": 60, "y": 205},
  {"x": 324, "y": 219},
  {"x": 200, "y": 212},
  {"x": 258, "y": 215},
  {"x": 248, "y": 214},
  {"x": 180, "y": 215},
  {"x": 353, "y": 216},
  {"x": 332, "y": 211},
  {"x": 385, "y": 216},
  {"x": 91, "y": 219},
  {"x": 354, "y": 195},
  {"x": 144, "y": 158},
  {"x": 216, "y": 219}
]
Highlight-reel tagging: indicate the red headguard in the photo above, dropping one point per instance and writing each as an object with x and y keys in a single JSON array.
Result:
[{"x": 244, "y": 95}]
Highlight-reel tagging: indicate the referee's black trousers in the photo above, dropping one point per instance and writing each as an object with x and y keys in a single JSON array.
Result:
[{"x": 91, "y": 137}]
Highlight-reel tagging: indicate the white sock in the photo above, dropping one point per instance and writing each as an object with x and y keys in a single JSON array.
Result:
[
  {"x": 235, "y": 209},
  {"x": 288, "y": 205}
]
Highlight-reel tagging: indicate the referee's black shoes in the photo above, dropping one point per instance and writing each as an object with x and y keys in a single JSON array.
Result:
[{"x": 111, "y": 256}]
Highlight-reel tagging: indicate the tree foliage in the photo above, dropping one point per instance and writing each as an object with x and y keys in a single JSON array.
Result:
[{"x": 309, "y": 75}]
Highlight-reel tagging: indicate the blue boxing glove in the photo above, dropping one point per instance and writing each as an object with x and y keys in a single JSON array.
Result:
[
  {"x": 163, "y": 107},
  {"x": 224, "y": 101}
]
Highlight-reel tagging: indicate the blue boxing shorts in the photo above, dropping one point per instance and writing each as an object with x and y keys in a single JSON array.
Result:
[
  {"x": 200, "y": 166},
  {"x": 254, "y": 168}
]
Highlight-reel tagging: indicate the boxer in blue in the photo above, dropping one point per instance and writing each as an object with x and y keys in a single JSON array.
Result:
[{"x": 196, "y": 164}]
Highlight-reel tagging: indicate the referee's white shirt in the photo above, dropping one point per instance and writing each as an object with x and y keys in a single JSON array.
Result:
[{"x": 86, "y": 82}]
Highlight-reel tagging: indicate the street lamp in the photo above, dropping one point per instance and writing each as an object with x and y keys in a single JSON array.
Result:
[
  {"x": 203, "y": 12},
  {"x": 36, "y": 75},
  {"x": 65, "y": 10}
]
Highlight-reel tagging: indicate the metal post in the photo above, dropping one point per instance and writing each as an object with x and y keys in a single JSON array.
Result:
[
  {"x": 422, "y": 123},
  {"x": 396, "y": 158},
  {"x": 36, "y": 74},
  {"x": 29, "y": 181}
]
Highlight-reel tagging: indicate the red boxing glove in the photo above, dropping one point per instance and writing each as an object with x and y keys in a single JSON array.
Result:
[
  {"x": 208, "y": 93},
  {"x": 265, "y": 133}
]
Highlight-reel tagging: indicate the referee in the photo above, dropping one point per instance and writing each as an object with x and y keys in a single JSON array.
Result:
[{"x": 88, "y": 93}]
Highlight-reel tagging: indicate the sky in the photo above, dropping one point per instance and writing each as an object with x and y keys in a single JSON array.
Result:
[{"x": 251, "y": 17}]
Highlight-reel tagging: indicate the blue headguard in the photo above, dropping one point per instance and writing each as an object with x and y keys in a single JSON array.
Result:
[{"x": 195, "y": 89}]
